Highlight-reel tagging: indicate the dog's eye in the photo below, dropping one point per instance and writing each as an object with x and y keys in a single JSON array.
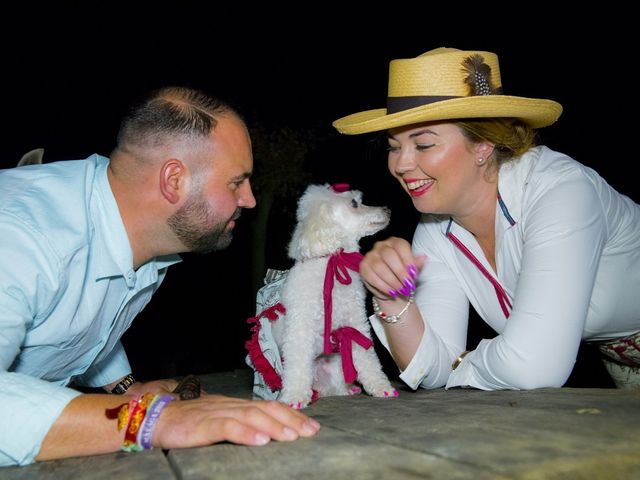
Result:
[{"x": 354, "y": 203}]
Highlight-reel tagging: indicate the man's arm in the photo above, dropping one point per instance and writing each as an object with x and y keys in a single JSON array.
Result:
[
  {"x": 84, "y": 429},
  {"x": 31, "y": 407}
]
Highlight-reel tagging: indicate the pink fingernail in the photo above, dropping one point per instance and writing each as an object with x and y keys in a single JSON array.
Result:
[
  {"x": 395, "y": 393},
  {"x": 393, "y": 293},
  {"x": 413, "y": 271}
]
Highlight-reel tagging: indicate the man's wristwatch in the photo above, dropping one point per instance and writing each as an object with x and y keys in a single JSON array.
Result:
[{"x": 123, "y": 385}]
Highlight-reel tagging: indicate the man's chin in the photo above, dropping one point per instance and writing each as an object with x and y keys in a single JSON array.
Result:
[
  {"x": 220, "y": 243},
  {"x": 224, "y": 241}
]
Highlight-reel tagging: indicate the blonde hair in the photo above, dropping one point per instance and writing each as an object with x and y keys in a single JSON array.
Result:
[{"x": 510, "y": 136}]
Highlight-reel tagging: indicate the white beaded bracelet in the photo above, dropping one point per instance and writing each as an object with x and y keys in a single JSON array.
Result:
[{"x": 391, "y": 318}]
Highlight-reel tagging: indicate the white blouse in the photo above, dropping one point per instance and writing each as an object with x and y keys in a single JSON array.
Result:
[{"x": 568, "y": 259}]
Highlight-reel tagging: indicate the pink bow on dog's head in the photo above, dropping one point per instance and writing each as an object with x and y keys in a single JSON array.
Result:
[{"x": 340, "y": 187}]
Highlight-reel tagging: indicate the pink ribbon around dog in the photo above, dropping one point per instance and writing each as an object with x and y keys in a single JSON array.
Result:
[
  {"x": 343, "y": 339},
  {"x": 338, "y": 268}
]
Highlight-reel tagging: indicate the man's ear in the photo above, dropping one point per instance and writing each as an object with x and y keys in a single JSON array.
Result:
[{"x": 172, "y": 175}]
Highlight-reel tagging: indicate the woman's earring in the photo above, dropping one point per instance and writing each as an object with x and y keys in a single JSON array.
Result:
[{"x": 480, "y": 160}]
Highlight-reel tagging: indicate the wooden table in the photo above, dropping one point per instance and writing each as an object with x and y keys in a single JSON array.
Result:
[{"x": 549, "y": 433}]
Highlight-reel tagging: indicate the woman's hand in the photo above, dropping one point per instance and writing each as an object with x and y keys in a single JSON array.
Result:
[{"x": 390, "y": 268}]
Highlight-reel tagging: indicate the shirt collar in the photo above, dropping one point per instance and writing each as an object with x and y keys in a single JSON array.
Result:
[{"x": 503, "y": 217}]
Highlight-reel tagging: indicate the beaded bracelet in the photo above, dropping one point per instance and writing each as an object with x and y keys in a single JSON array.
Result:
[{"x": 391, "y": 318}]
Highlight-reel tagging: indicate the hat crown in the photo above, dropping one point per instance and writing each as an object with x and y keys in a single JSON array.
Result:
[{"x": 439, "y": 73}]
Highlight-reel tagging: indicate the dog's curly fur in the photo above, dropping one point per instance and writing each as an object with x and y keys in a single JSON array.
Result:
[{"x": 327, "y": 221}]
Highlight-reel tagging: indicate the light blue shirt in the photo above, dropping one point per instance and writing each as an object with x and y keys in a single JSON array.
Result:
[{"x": 68, "y": 292}]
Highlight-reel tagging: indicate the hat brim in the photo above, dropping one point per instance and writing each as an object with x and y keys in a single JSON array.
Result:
[{"x": 535, "y": 112}]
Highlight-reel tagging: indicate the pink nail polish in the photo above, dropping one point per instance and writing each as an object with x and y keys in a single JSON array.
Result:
[{"x": 413, "y": 271}]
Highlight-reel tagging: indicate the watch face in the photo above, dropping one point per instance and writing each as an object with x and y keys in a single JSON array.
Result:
[{"x": 124, "y": 385}]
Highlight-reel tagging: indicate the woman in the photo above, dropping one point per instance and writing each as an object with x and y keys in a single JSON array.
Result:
[{"x": 543, "y": 248}]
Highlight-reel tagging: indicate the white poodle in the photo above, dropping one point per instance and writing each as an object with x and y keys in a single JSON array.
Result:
[{"x": 324, "y": 336}]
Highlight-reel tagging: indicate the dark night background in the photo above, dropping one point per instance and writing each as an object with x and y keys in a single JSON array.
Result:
[{"x": 70, "y": 70}]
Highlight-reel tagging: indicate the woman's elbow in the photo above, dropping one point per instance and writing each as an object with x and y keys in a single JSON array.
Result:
[{"x": 532, "y": 378}]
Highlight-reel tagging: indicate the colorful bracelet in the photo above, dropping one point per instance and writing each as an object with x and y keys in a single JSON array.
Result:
[
  {"x": 136, "y": 418},
  {"x": 123, "y": 385},
  {"x": 121, "y": 413},
  {"x": 149, "y": 424},
  {"x": 140, "y": 416},
  {"x": 391, "y": 318}
]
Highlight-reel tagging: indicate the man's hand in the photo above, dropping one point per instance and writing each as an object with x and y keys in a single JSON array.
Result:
[
  {"x": 156, "y": 386},
  {"x": 216, "y": 418}
]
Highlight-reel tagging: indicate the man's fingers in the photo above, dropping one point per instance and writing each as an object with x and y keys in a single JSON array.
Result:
[
  {"x": 210, "y": 419},
  {"x": 276, "y": 420},
  {"x": 302, "y": 424}
]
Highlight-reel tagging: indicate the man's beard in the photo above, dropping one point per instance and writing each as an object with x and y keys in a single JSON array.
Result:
[{"x": 198, "y": 227}]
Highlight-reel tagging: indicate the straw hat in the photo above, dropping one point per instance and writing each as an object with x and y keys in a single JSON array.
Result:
[{"x": 447, "y": 84}]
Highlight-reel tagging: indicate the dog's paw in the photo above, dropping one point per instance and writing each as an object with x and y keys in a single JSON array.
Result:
[
  {"x": 386, "y": 392},
  {"x": 299, "y": 405},
  {"x": 355, "y": 390},
  {"x": 297, "y": 402},
  {"x": 391, "y": 394}
]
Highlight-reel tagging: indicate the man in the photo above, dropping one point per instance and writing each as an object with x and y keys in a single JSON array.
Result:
[{"x": 85, "y": 244}]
